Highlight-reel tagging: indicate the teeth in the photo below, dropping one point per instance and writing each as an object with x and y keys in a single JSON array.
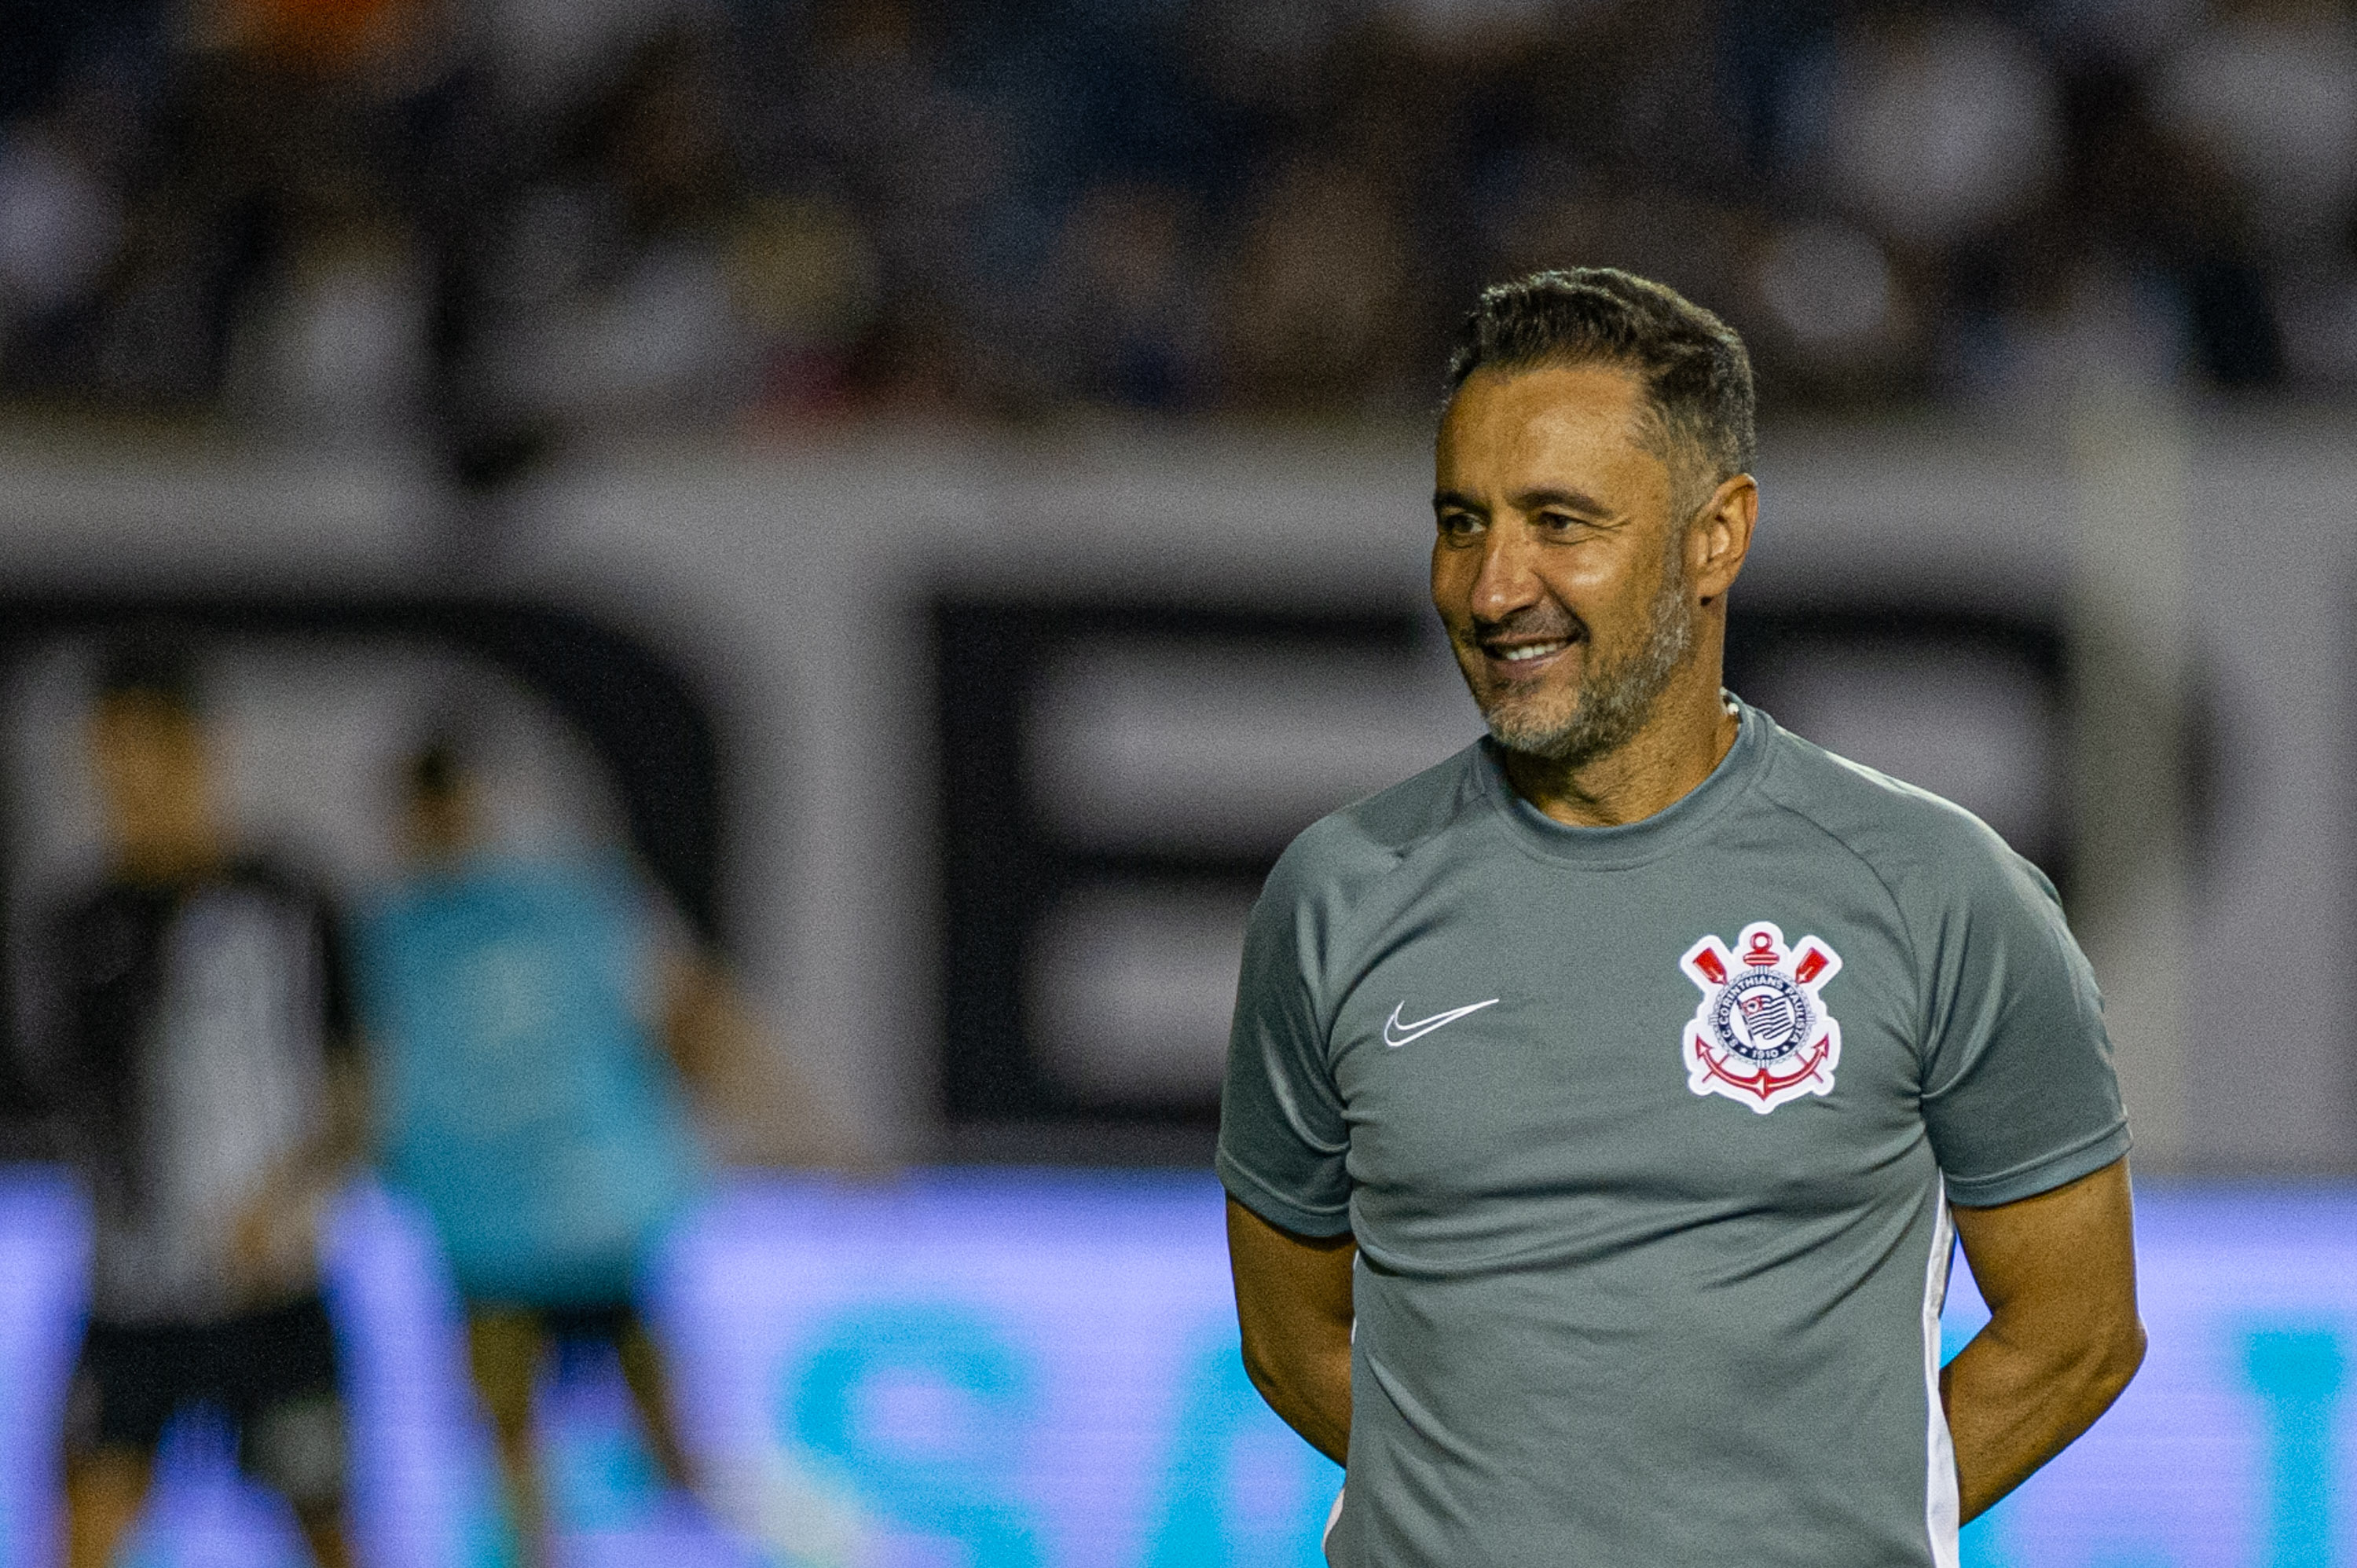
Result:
[{"x": 1535, "y": 650}]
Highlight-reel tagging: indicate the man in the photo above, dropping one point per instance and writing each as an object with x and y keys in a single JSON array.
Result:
[
  {"x": 1599, "y": 1100},
  {"x": 518, "y": 1013},
  {"x": 191, "y": 1037}
]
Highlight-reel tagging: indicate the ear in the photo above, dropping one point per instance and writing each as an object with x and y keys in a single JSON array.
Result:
[{"x": 1719, "y": 538}]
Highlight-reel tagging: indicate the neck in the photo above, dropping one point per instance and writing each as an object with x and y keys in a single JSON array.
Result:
[
  {"x": 168, "y": 852},
  {"x": 166, "y": 860},
  {"x": 1690, "y": 729}
]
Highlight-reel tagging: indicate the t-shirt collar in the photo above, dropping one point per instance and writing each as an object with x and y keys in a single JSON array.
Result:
[{"x": 1630, "y": 842}]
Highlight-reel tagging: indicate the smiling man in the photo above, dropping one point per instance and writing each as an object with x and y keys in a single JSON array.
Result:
[{"x": 1601, "y": 1101}]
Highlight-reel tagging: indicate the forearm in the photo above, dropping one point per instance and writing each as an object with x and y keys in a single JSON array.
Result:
[
  {"x": 1309, "y": 1388},
  {"x": 2014, "y": 1400},
  {"x": 1294, "y": 1306},
  {"x": 344, "y": 1140}
]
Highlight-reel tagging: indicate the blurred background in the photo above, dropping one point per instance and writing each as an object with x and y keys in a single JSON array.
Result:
[
  {"x": 942, "y": 487},
  {"x": 492, "y": 226}
]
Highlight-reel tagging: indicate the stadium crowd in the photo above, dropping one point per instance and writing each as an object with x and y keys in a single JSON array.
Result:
[{"x": 506, "y": 221}]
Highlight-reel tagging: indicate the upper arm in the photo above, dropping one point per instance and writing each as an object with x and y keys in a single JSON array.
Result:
[
  {"x": 702, "y": 1018},
  {"x": 2060, "y": 1263},
  {"x": 37, "y": 989},
  {"x": 1284, "y": 1138},
  {"x": 339, "y": 1021},
  {"x": 1292, "y": 1290},
  {"x": 679, "y": 987},
  {"x": 2018, "y": 1093}
]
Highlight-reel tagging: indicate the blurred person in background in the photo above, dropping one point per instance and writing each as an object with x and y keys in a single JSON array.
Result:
[
  {"x": 531, "y": 1022},
  {"x": 192, "y": 1039}
]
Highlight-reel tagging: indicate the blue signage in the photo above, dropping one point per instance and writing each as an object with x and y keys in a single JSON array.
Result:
[
  {"x": 2237, "y": 1446},
  {"x": 1000, "y": 1370}
]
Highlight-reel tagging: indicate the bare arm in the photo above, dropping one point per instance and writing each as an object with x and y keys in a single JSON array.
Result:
[
  {"x": 2058, "y": 1272},
  {"x": 275, "y": 1237},
  {"x": 1292, "y": 1298},
  {"x": 704, "y": 1024},
  {"x": 759, "y": 1105}
]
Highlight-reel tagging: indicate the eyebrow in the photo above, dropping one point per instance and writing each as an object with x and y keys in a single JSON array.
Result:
[{"x": 1529, "y": 500}]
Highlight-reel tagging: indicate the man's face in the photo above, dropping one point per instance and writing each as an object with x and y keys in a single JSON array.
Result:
[
  {"x": 442, "y": 824},
  {"x": 1557, "y": 567},
  {"x": 151, "y": 767}
]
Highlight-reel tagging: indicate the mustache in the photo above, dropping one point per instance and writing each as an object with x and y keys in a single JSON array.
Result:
[{"x": 1531, "y": 623}]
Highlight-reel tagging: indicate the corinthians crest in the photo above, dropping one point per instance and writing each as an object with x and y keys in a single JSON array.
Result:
[{"x": 1761, "y": 1036}]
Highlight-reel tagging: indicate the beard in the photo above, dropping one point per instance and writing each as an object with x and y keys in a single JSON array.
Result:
[{"x": 1616, "y": 694}]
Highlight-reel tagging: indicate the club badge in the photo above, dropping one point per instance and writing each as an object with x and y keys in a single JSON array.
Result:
[{"x": 1761, "y": 1036}]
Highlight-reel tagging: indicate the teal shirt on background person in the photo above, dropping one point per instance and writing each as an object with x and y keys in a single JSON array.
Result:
[
  {"x": 521, "y": 1093},
  {"x": 1646, "y": 1134}
]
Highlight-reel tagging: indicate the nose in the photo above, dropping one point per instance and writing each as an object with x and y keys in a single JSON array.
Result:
[{"x": 1508, "y": 578}]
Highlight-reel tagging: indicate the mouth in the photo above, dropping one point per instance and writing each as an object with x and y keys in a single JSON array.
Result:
[{"x": 1524, "y": 659}]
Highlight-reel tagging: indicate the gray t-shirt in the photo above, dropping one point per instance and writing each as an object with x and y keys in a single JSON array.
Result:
[{"x": 1646, "y": 1134}]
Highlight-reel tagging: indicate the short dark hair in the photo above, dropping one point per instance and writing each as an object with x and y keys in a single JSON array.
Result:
[
  {"x": 437, "y": 769},
  {"x": 1696, "y": 372},
  {"x": 156, "y": 663}
]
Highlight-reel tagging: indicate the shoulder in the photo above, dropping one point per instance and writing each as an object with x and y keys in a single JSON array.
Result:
[
  {"x": 512, "y": 892},
  {"x": 64, "y": 909},
  {"x": 94, "y": 931},
  {"x": 282, "y": 880},
  {"x": 587, "y": 891},
  {"x": 1344, "y": 853},
  {"x": 1299, "y": 930},
  {"x": 1922, "y": 847}
]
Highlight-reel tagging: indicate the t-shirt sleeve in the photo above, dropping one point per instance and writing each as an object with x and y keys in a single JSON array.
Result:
[
  {"x": 1283, "y": 1138},
  {"x": 2018, "y": 1092},
  {"x": 37, "y": 1057},
  {"x": 338, "y": 1013}
]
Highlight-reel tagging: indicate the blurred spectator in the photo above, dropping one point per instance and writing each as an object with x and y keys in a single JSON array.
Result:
[
  {"x": 574, "y": 225},
  {"x": 316, "y": 38},
  {"x": 495, "y": 223},
  {"x": 531, "y": 1021},
  {"x": 804, "y": 277},
  {"x": 62, "y": 226},
  {"x": 190, "y": 1031},
  {"x": 2270, "y": 90},
  {"x": 2267, "y": 94},
  {"x": 1941, "y": 125},
  {"x": 1135, "y": 320},
  {"x": 1834, "y": 308},
  {"x": 925, "y": 170},
  {"x": 58, "y": 222},
  {"x": 1318, "y": 305},
  {"x": 608, "y": 295}
]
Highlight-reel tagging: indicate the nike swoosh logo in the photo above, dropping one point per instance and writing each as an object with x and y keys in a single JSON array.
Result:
[{"x": 1396, "y": 1033}]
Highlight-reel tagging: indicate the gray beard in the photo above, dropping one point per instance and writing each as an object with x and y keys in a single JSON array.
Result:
[{"x": 1615, "y": 699}]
